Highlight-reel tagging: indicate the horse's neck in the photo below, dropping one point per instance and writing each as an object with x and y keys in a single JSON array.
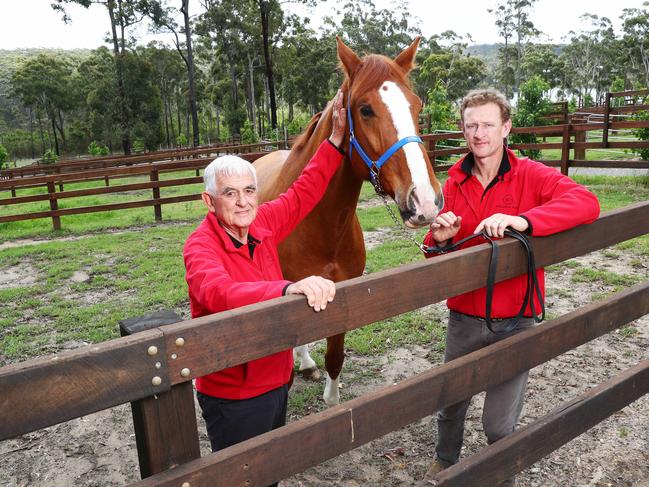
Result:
[{"x": 343, "y": 191}]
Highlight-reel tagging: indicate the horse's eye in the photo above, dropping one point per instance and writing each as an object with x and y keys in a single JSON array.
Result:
[{"x": 366, "y": 111}]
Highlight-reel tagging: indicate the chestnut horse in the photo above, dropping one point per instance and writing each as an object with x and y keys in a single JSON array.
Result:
[{"x": 329, "y": 242}]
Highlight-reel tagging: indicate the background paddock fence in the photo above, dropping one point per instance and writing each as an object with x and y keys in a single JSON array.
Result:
[
  {"x": 574, "y": 136},
  {"x": 156, "y": 362}
]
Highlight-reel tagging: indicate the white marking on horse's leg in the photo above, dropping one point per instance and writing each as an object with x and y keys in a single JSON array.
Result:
[
  {"x": 331, "y": 394},
  {"x": 351, "y": 422},
  {"x": 302, "y": 352},
  {"x": 399, "y": 109}
]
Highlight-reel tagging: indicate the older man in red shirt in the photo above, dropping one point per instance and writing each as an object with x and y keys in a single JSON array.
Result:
[{"x": 231, "y": 260}]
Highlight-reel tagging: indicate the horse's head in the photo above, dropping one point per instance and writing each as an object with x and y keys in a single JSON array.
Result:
[{"x": 384, "y": 111}]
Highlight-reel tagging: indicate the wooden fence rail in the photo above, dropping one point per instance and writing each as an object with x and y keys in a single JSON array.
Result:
[
  {"x": 149, "y": 157},
  {"x": 567, "y": 132},
  {"x": 152, "y": 171},
  {"x": 93, "y": 378},
  {"x": 532, "y": 442},
  {"x": 349, "y": 425},
  {"x": 153, "y": 168}
]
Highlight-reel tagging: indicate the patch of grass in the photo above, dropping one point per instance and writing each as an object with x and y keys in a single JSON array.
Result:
[
  {"x": 124, "y": 282},
  {"x": 587, "y": 274},
  {"x": 406, "y": 329},
  {"x": 304, "y": 399},
  {"x": 394, "y": 253},
  {"x": 628, "y": 331}
]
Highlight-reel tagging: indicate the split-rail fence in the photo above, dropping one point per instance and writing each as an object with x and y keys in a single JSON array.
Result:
[{"x": 153, "y": 370}]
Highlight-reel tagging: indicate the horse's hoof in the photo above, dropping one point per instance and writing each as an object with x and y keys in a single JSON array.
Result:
[
  {"x": 331, "y": 401},
  {"x": 312, "y": 373}
]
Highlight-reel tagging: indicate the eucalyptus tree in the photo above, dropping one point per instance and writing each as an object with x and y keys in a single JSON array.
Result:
[
  {"x": 163, "y": 17},
  {"x": 42, "y": 83},
  {"x": 122, "y": 15},
  {"x": 307, "y": 67},
  {"x": 513, "y": 22},
  {"x": 170, "y": 77},
  {"x": 635, "y": 29},
  {"x": 543, "y": 60},
  {"x": 589, "y": 57},
  {"x": 443, "y": 63},
  {"x": 368, "y": 29},
  {"x": 226, "y": 45}
]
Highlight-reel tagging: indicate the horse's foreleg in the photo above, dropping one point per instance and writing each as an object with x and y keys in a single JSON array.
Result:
[
  {"x": 308, "y": 369},
  {"x": 333, "y": 364}
]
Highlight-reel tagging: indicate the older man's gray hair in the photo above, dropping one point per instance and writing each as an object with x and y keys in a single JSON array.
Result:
[{"x": 226, "y": 166}]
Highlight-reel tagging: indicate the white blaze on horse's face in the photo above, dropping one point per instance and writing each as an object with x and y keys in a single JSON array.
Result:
[{"x": 421, "y": 201}]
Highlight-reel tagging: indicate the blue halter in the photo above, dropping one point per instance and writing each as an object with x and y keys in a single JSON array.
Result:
[{"x": 374, "y": 166}]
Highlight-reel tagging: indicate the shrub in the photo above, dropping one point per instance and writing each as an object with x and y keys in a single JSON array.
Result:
[
  {"x": 49, "y": 157},
  {"x": 4, "y": 157},
  {"x": 181, "y": 140},
  {"x": 138, "y": 145},
  {"x": 642, "y": 134},
  {"x": 248, "y": 135},
  {"x": 532, "y": 106},
  {"x": 94, "y": 149}
]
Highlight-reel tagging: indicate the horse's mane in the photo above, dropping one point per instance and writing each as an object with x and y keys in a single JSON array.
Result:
[{"x": 308, "y": 131}]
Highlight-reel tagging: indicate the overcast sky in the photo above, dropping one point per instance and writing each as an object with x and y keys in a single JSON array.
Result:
[{"x": 33, "y": 23}]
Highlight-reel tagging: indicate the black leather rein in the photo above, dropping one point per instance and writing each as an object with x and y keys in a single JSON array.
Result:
[{"x": 532, "y": 281}]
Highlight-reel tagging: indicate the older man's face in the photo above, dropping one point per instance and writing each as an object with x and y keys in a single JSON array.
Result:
[{"x": 235, "y": 204}]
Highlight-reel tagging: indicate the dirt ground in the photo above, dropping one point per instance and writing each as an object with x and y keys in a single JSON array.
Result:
[{"x": 99, "y": 449}]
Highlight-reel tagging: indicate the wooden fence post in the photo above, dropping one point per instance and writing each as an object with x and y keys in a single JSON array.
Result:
[
  {"x": 54, "y": 205},
  {"x": 157, "y": 208},
  {"x": 432, "y": 143},
  {"x": 565, "y": 149},
  {"x": 165, "y": 426},
  {"x": 607, "y": 111}
]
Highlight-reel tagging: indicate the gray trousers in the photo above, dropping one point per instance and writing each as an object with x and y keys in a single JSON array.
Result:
[{"x": 503, "y": 402}]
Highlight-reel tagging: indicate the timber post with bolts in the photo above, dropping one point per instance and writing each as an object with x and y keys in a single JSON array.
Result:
[{"x": 165, "y": 426}]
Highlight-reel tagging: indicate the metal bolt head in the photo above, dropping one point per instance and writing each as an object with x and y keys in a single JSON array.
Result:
[
  {"x": 152, "y": 350},
  {"x": 185, "y": 372},
  {"x": 185, "y": 484},
  {"x": 156, "y": 381},
  {"x": 180, "y": 341},
  {"x": 174, "y": 356}
]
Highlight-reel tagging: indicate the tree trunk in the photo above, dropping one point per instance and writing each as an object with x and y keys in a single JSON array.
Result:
[
  {"x": 121, "y": 92},
  {"x": 187, "y": 127},
  {"x": 31, "y": 132},
  {"x": 253, "y": 102},
  {"x": 190, "y": 73},
  {"x": 62, "y": 132},
  {"x": 56, "y": 140},
  {"x": 179, "y": 118},
  {"x": 218, "y": 124},
  {"x": 264, "y": 8},
  {"x": 165, "y": 106}
]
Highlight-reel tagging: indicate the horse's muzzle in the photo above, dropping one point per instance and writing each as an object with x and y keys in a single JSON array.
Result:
[{"x": 421, "y": 209}]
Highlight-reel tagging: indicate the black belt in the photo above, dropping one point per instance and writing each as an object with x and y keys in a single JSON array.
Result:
[
  {"x": 482, "y": 318},
  {"x": 532, "y": 287}
]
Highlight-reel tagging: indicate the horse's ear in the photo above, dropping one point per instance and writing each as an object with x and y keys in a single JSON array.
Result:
[
  {"x": 406, "y": 59},
  {"x": 348, "y": 58}
]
